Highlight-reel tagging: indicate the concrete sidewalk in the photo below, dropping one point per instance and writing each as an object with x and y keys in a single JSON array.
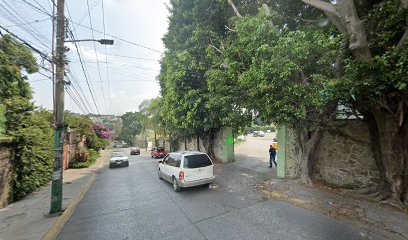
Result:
[
  {"x": 341, "y": 204},
  {"x": 28, "y": 218}
]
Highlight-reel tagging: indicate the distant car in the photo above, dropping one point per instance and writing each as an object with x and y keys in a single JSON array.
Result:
[
  {"x": 255, "y": 134},
  {"x": 241, "y": 138},
  {"x": 120, "y": 144},
  {"x": 186, "y": 169},
  {"x": 118, "y": 159},
  {"x": 134, "y": 151},
  {"x": 261, "y": 134},
  {"x": 268, "y": 131},
  {"x": 159, "y": 152}
]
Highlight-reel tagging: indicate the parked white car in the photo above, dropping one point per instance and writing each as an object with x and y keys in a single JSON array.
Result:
[
  {"x": 186, "y": 169},
  {"x": 118, "y": 159},
  {"x": 261, "y": 134}
]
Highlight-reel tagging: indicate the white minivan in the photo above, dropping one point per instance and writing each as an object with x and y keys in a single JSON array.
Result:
[{"x": 186, "y": 169}]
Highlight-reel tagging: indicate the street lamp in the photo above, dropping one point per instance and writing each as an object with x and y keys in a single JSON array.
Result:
[{"x": 101, "y": 41}]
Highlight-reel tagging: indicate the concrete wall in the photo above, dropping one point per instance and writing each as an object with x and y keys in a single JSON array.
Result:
[
  {"x": 5, "y": 172},
  {"x": 343, "y": 158}
]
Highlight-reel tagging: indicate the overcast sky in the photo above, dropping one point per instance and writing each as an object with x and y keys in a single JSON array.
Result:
[{"x": 132, "y": 69}]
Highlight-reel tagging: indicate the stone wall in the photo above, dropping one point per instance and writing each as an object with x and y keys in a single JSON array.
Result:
[
  {"x": 343, "y": 158},
  {"x": 5, "y": 172}
]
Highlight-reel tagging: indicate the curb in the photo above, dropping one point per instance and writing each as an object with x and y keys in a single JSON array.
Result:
[
  {"x": 59, "y": 224},
  {"x": 62, "y": 220},
  {"x": 293, "y": 200}
]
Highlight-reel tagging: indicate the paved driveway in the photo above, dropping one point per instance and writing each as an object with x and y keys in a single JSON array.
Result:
[{"x": 254, "y": 154}]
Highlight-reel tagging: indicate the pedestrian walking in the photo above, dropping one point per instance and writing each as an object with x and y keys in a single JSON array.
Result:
[{"x": 272, "y": 155}]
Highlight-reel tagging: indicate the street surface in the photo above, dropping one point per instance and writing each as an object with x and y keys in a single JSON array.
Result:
[{"x": 132, "y": 203}]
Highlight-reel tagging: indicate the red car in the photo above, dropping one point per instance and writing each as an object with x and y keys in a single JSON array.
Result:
[
  {"x": 134, "y": 151},
  {"x": 159, "y": 152}
]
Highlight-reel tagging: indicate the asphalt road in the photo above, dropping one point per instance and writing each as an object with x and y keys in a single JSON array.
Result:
[{"x": 132, "y": 203}]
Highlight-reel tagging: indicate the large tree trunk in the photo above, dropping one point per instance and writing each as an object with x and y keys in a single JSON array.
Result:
[
  {"x": 208, "y": 142},
  {"x": 308, "y": 144},
  {"x": 371, "y": 121},
  {"x": 404, "y": 137},
  {"x": 389, "y": 146}
]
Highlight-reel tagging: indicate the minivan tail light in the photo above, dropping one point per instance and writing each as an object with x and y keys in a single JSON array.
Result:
[{"x": 181, "y": 175}]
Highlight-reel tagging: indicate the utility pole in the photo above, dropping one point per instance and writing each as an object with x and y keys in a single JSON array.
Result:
[{"x": 58, "y": 151}]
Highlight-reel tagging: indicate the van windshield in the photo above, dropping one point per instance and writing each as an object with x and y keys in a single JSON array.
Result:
[{"x": 197, "y": 161}]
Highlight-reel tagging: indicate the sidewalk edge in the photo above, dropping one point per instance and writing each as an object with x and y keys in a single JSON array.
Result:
[{"x": 62, "y": 220}]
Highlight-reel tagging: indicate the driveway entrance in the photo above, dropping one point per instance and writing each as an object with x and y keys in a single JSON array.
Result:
[{"x": 253, "y": 154}]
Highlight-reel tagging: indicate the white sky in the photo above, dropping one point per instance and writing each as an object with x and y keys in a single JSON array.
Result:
[{"x": 131, "y": 80}]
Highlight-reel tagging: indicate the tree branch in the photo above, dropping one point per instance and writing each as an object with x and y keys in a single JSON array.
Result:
[
  {"x": 230, "y": 2},
  {"x": 324, "y": 6},
  {"x": 358, "y": 40},
  {"x": 404, "y": 37},
  {"x": 344, "y": 16},
  {"x": 267, "y": 13},
  {"x": 229, "y": 29}
]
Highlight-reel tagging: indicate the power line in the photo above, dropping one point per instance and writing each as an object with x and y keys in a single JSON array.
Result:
[
  {"x": 79, "y": 53},
  {"x": 75, "y": 99},
  {"x": 91, "y": 9},
  {"x": 96, "y": 53},
  {"x": 121, "y": 39},
  {"x": 37, "y": 8},
  {"x": 80, "y": 93},
  {"x": 132, "y": 57},
  {"x": 86, "y": 77},
  {"x": 106, "y": 57},
  {"x": 80, "y": 98},
  {"x": 40, "y": 5},
  {"x": 16, "y": 16},
  {"x": 101, "y": 32},
  {"x": 28, "y": 23}
]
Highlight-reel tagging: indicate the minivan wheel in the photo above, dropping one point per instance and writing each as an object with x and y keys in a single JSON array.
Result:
[
  {"x": 159, "y": 174},
  {"x": 175, "y": 185}
]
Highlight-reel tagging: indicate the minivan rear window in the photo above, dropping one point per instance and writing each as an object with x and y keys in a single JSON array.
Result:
[{"x": 197, "y": 161}]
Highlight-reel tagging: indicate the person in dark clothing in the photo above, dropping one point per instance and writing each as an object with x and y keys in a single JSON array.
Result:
[{"x": 272, "y": 155}]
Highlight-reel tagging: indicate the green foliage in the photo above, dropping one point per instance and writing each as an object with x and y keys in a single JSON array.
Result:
[
  {"x": 2, "y": 119},
  {"x": 370, "y": 85},
  {"x": 131, "y": 126},
  {"x": 84, "y": 126},
  {"x": 277, "y": 73},
  {"x": 84, "y": 158},
  {"x": 33, "y": 156},
  {"x": 30, "y": 130},
  {"x": 188, "y": 78}
]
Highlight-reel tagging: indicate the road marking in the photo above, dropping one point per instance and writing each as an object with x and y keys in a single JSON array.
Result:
[
  {"x": 282, "y": 196},
  {"x": 62, "y": 220}
]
